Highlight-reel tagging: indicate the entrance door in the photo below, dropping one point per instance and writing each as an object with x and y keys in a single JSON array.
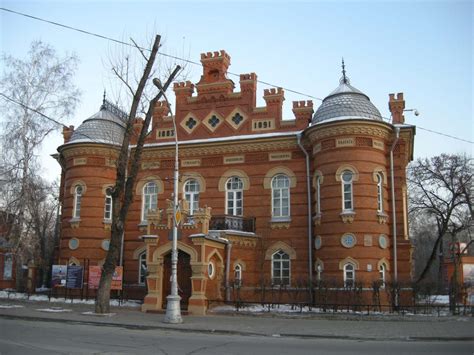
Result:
[{"x": 184, "y": 278}]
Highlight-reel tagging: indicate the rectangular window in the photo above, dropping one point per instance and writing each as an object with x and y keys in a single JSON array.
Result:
[{"x": 108, "y": 208}]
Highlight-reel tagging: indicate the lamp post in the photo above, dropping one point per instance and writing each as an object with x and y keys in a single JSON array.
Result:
[{"x": 173, "y": 306}]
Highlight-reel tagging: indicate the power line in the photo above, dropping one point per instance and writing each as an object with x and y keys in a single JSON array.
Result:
[
  {"x": 32, "y": 109},
  {"x": 186, "y": 61},
  {"x": 445, "y": 135},
  {"x": 145, "y": 49}
]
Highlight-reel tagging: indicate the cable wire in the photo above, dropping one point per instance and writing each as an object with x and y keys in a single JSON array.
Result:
[
  {"x": 146, "y": 49},
  {"x": 184, "y": 60}
]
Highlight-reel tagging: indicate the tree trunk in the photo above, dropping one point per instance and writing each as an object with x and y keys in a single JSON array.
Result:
[{"x": 122, "y": 194}]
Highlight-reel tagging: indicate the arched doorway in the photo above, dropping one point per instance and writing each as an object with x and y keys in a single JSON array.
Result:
[{"x": 184, "y": 278}]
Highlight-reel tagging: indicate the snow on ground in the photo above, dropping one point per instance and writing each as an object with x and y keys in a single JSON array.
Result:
[
  {"x": 6, "y": 306},
  {"x": 44, "y": 298},
  {"x": 439, "y": 299},
  {"x": 54, "y": 310},
  {"x": 98, "y": 314}
]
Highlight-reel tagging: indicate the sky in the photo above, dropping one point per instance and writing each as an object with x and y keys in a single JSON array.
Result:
[{"x": 421, "y": 48}]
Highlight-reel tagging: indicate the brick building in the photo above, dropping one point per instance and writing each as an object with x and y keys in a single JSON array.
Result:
[{"x": 267, "y": 201}]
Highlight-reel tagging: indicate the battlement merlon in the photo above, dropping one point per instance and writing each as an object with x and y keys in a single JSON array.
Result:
[
  {"x": 215, "y": 56},
  {"x": 303, "y": 110},
  {"x": 274, "y": 96},
  {"x": 183, "y": 90},
  {"x": 161, "y": 110},
  {"x": 248, "y": 87},
  {"x": 67, "y": 133},
  {"x": 396, "y": 105}
]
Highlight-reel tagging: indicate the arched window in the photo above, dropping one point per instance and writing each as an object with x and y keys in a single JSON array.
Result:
[
  {"x": 318, "y": 195},
  {"x": 150, "y": 197},
  {"x": 319, "y": 271},
  {"x": 191, "y": 194},
  {"x": 238, "y": 275},
  {"x": 349, "y": 275},
  {"x": 281, "y": 196},
  {"x": 78, "y": 190},
  {"x": 234, "y": 196},
  {"x": 379, "y": 192},
  {"x": 108, "y": 205},
  {"x": 347, "y": 198},
  {"x": 382, "y": 272},
  {"x": 142, "y": 268},
  {"x": 281, "y": 268}
]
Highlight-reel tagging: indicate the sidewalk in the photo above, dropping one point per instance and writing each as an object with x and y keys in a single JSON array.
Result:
[{"x": 413, "y": 328}]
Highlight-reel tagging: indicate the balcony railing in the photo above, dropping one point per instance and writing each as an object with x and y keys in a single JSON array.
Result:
[{"x": 237, "y": 223}]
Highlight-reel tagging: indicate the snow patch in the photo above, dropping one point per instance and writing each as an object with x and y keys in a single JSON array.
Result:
[
  {"x": 54, "y": 310},
  {"x": 98, "y": 314},
  {"x": 6, "y": 306}
]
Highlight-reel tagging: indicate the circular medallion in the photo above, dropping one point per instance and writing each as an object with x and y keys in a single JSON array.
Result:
[
  {"x": 318, "y": 242},
  {"x": 73, "y": 243},
  {"x": 105, "y": 244},
  {"x": 348, "y": 240},
  {"x": 383, "y": 241}
]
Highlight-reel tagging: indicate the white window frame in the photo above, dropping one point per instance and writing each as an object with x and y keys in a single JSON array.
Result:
[
  {"x": 318, "y": 195},
  {"x": 319, "y": 271},
  {"x": 142, "y": 271},
  {"x": 382, "y": 274},
  {"x": 211, "y": 270},
  {"x": 78, "y": 192},
  {"x": 234, "y": 193},
  {"x": 347, "y": 192},
  {"x": 149, "y": 199},
  {"x": 191, "y": 194},
  {"x": 281, "y": 196},
  {"x": 380, "y": 193},
  {"x": 346, "y": 274},
  {"x": 108, "y": 205},
  {"x": 280, "y": 263},
  {"x": 238, "y": 275}
]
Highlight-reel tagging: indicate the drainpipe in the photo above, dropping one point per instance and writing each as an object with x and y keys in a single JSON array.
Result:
[
  {"x": 394, "y": 215},
  {"x": 227, "y": 270},
  {"x": 310, "y": 226}
]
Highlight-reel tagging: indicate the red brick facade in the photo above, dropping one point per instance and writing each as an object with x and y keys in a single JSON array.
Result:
[{"x": 223, "y": 136}]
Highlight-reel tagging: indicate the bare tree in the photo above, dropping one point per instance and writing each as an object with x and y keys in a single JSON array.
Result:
[
  {"x": 122, "y": 192},
  {"x": 32, "y": 90},
  {"x": 42, "y": 211},
  {"x": 440, "y": 189}
]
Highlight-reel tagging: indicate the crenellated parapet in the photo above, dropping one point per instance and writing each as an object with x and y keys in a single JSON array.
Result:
[
  {"x": 67, "y": 133},
  {"x": 183, "y": 90},
  {"x": 161, "y": 109},
  {"x": 248, "y": 87},
  {"x": 303, "y": 110},
  {"x": 396, "y": 105},
  {"x": 217, "y": 60},
  {"x": 137, "y": 127},
  {"x": 214, "y": 78},
  {"x": 274, "y": 96}
]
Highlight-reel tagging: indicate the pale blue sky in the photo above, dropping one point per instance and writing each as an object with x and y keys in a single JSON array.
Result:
[{"x": 421, "y": 48}]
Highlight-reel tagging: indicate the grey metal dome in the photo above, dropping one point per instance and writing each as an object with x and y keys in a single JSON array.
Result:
[
  {"x": 106, "y": 126},
  {"x": 346, "y": 102}
]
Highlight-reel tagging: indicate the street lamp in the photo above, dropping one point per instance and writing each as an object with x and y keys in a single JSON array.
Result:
[{"x": 173, "y": 306}]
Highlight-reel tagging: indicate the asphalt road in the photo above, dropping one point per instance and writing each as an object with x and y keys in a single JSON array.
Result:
[{"x": 36, "y": 337}]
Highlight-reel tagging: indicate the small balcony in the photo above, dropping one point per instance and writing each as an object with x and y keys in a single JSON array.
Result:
[{"x": 236, "y": 223}]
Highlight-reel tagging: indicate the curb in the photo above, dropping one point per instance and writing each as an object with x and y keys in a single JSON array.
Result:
[{"x": 232, "y": 332}]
